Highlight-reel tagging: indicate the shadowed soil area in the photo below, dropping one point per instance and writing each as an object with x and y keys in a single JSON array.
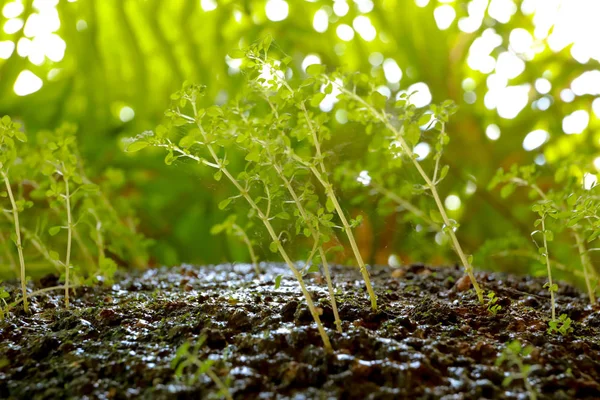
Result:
[{"x": 428, "y": 340}]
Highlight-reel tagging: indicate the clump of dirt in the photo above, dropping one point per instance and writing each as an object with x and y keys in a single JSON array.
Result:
[{"x": 429, "y": 338}]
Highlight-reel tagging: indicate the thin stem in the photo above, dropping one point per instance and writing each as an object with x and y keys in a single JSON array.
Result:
[
  {"x": 15, "y": 212},
  {"x": 248, "y": 243},
  {"x": 224, "y": 390},
  {"x": 549, "y": 269},
  {"x": 586, "y": 264},
  {"x": 69, "y": 240},
  {"x": 316, "y": 238},
  {"x": 429, "y": 183}
]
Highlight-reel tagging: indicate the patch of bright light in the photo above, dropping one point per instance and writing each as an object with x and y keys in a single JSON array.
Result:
[
  {"x": 596, "y": 107},
  {"x": 480, "y": 58},
  {"x": 392, "y": 71},
  {"x": 340, "y": 7},
  {"x": 509, "y": 65},
  {"x": 27, "y": 83},
  {"x": 329, "y": 101},
  {"x": 520, "y": 40},
  {"x": 81, "y": 25},
  {"x": 511, "y": 100},
  {"x": 277, "y": 10},
  {"x": 496, "y": 81},
  {"x": 444, "y": 16},
  {"x": 567, "y": 95},
  {"x": 208, "y": 5},
  {"x": 321, "y": 21},
  {"x": 492, "y": 132},
  {"x": 542, "y": 85},
  {"x": 587, "y": 83},
  {"x": 126, "y": 114},
  {"x": 309, "y": 60},
  {"x": 6, "y": 49},
  {"x": 589, "y": 181},
  {"x": 535, "y": 139},
  {"x": 394, "y": 261},
  {"x": 365, "y": 29},
  {"x": 544, "y": 103},
  {"x": 422, "y": 150},
  {"x": 364, "y": 178},
  {"x": 470, "y": 97},
  {"x": 42, "y": 23},
  {"x": 13, "y": 25},
  {"x": 468, "y": 84},
  {"x": 452, "y": 202},
  {"x": 364, "y": 6},
  {"x": 375, "y": 59},
  {"x": 502, "y": 10},
  {"x": 421, "y": 96},
  {"x": 13, "y": 9},
  {"x": 421, "y": 3},
  {"x": 576, "y": 122},
  {"x": 470, "y": 188},
  {"x": 341, "y": 116},
  {"x": 384, "y": 90},
  {"x": 345, "y": 32},
  {"x": 539, "y": 159},
  {"x": 597, "y": 163}
]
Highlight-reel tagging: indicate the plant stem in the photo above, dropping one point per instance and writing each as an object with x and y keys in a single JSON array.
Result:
[
  {"x": 348, "y": 230},
  {"x": 15, "y": 212},
  {"x": 586, "y": 264},
  {"x": 430, "y": 184},
  {"x": 69, "y": 240},
  {"x": 248, "y": 243},
  {"x": 548, "y": 268},
  {"x": 316, "y": 238},
  {"x": 219, "y": 383}
]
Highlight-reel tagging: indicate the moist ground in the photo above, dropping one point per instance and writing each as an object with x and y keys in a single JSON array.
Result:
[{"x": 428, "y": 340}]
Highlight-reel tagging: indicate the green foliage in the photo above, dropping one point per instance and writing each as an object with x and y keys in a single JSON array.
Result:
[
  {"x": 561, "y": 325},
  {"x": 190, "y": 366},
  {"x": 513, "y": 355},
  {"x": 492, "y": 307}
]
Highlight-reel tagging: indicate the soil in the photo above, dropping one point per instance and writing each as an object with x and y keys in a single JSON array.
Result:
[{"x": 430, "y": 338}]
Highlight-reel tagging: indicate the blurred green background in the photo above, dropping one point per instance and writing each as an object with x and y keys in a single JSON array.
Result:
[{"x": 525, "y": 74}]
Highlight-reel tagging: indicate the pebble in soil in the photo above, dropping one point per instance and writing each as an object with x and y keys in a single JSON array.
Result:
[{"x": 429, "y": 339}]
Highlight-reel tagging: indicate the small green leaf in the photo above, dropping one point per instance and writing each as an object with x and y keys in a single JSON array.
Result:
[
  {"x": 436, "y": 216},
  {"x": 53, "y": 255},
  {"x": 273, "y": 247},
  {"x": 169, "y": 158},
  {"x": 317, "y": 99},
  {"x": 254, "y": 155},
  {"x": 278, "y": 281},
  {"x": 224, "y": 203},
  {"x": 329, "y": 205},
  {"x": 507, "y": 190},
  {"x": 135, "y": 146},
  {"x": 218, "y": 175},
  {"x": 283, "y": 215},
  {"x": 315, "y": 69},
  {"x": 54, "y": 230}
]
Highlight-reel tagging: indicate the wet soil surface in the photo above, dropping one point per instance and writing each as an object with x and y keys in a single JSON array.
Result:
[{"x": 430, "y": 338}]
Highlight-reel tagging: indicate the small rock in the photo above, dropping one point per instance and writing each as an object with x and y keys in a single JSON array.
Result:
[
  {"x": 463, "y": 284},
  {"x": 398, "y": 273}
]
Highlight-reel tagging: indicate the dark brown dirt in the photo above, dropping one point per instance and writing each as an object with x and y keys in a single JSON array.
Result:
[{"x": 427, "y": 341}]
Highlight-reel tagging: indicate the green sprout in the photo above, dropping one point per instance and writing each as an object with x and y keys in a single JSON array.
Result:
[
  {"x": 492, "y": 307},
  {"x": 513, "y": 355},
  {"x": 187, "y": 359},
  {"x": 231, "y": 228},
  {"x": 562, "y": 325},
  {"x": 9, "y": 131},
  {"x": 209, "y": 134}
]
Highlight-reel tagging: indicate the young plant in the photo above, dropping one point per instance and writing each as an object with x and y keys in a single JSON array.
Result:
[
  {"x": 309, "y": 127},
  {"x": 545, "y": 209},
  {"x": 513, "y": 355},
  {"x": 10, "y": 135},
  {"x": 401, "y": 132},
  {"x": 65, "y": 183},
  {"x": 187, "y": 359},
  {"x": 561, "y": 325},
  {"x": 208, "y": 135},
  {"x": 231, "y": 228},
  {"x": 4, "y": 306},
  {"x": 492, "y": 307}
]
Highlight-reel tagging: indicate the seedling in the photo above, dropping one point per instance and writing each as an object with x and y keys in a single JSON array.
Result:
[
  {"x": 513, "y": 355},
  {"x": 4, "y": 306},
  {"x": 310, "y": 127},
  {"x": 9, "y": 132},
  {"x": 569, "y": 203},
  {"x": 209, "y": 133},
  {"x": 231, "y": 228},
  {"x": 492, "y": 307},
  {"x": 370, "y": 110},
  {"x": 187, "y": 359},
  {"x": 65, "y": 182},
  {"x": 562, "y": 325}
]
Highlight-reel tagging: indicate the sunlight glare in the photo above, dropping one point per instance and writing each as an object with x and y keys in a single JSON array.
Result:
[
  {"x": 576, "y": 122},
  {"x": 7, "y": 47},
  {"x": 422, "y": 95},
  {"x": 27, "y": 83},
  {"x": 535, "y": 139},
  {"x": 321, "y": 21},
  {"x": 277, "y": 10},
  {"x": 444, "y": 16}
]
